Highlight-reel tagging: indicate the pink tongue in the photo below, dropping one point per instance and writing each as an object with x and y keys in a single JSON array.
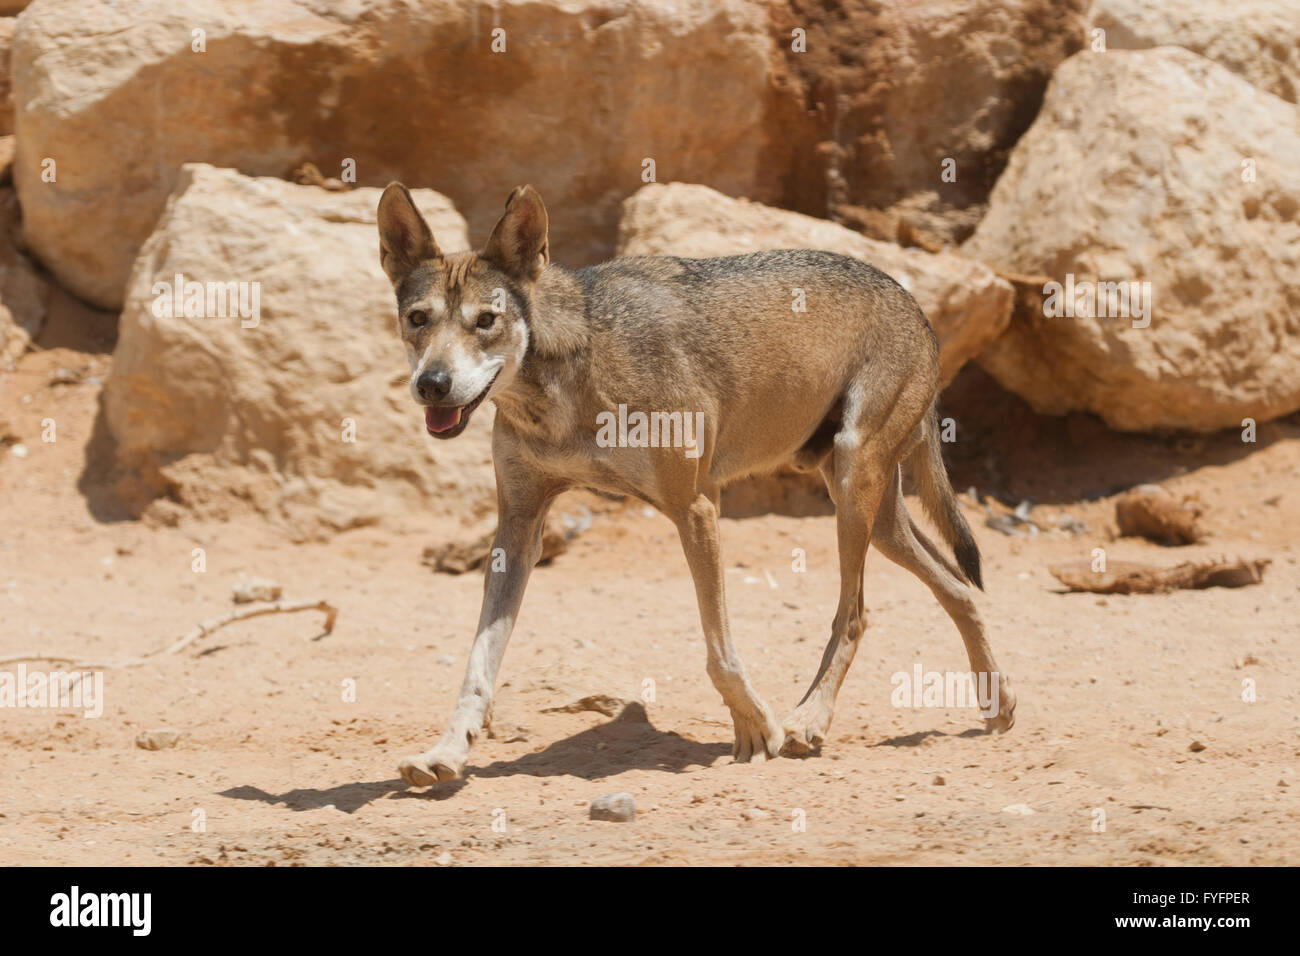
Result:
[{"x": 441, "y": 419}]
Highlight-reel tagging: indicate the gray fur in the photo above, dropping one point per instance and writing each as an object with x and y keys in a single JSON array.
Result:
[{"x": 846, "y": 386}]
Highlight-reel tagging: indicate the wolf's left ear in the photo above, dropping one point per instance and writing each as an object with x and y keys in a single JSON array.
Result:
[
  {"x": 404, "y": 237},
  {"x": 518, "y": 244}
]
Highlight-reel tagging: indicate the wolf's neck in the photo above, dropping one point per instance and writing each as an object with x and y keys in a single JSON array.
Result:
[
  {"x": 555, "y": 368},
  {"x": 559, "y": 320}
]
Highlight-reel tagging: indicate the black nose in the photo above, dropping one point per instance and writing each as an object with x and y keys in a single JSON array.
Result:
[{"x": 433, "y": 384}]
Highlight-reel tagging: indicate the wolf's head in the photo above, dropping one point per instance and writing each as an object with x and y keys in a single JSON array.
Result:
[{"x": 463, "y": 317}]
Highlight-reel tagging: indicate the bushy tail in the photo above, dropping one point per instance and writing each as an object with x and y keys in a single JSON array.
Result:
[{"x": 940, "y": 503}]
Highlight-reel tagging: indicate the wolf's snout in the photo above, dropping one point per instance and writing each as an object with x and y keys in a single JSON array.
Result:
[{"x": 433, "y": 384}]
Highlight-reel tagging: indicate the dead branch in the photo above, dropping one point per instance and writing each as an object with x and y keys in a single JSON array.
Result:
[
  {"x": 282, "y": 607},
  {"x": 203, "y": 630}
]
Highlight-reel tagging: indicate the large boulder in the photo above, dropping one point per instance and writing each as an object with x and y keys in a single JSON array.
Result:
[
  {"x": 24, "y": 296},
  {"x": 24, "y": 292},
  {"x": 6, "y": 86},
  {"x": 884, "y": 92},
  {"x": 299, "y": 409},
  {"x": 966, "y": 303},
  {"x": 1257, "y": 39},
  {"x": 1158, "y": 167},
  {"x": 118, "y": 98}
]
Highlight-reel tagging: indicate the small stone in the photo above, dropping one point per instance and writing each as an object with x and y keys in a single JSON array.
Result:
[
  {"x": 938, "y": 781},
  {"x": 19, "y": 451},
  {"x": 1196, "y": 747},
  {"x": 605, "y": 704},
  {"x": 163, "y": 739},
  {"x": 615, "y": 807},
  {"x": 753, "y": 813},
  {"x": 443, "y": 858},
  {"x": 258, "y": 589},
  {"x": 1019, "y": 809}
]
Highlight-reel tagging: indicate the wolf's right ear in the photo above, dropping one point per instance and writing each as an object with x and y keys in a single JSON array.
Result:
[{"x": 404, "y": 237}]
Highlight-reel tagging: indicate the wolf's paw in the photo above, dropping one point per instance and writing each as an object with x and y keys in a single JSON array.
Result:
[
  {"x": 757, "y": 737},
  {"x": 804, "y": 733},
  {"x": 427, "y": 769},
  {"x": 1006, "y": 715}
]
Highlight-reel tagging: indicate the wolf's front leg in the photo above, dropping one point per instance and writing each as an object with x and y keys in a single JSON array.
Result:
[
  {"x": 515, "y": 549},
  {"x": 758, "y": 732}
]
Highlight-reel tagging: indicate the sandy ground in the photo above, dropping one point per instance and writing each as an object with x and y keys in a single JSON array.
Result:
[{"x": 275, "y": 767}]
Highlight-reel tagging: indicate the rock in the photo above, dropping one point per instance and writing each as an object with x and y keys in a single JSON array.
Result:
[
  {"x": 1150, "y": 511},
  {"x": 163, "y": 739},
  {"x": 615, "y": 807},
  {"x": 597, "y": 703},
  {"x": 786, "y": 493},
  {"x": 303, "y": 415},
  {"x": 256, "y": 589},
  {"x": 1131, "y": 174},
  {"x": 885, "y": 92},
  {"x": 584, "y": 93},
  {"x": 7, "y": 149},
  {"x": 24, "y": 293},
  {"x": 6, "y": 85},
  {"x": 308, "y": 175},
  {"x": 754, "y": 814},
  {"x": 457, "y": 557},
  {"x": 1019, "y": 810},
  {"x": 1134, "y": 577},
  {"x": 1255, "y": 39},
  {"x": 1196, "y": 746},
  {"x": 965, "y": 302}
]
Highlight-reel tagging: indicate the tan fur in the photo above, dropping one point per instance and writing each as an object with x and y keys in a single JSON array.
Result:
[{"x": 847, "y": 386}]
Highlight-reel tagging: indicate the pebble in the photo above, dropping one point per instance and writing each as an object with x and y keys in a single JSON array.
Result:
[
  {"x": 157, "y": 739},
  {"x": 258, "y": 589},
  {"x": 616, "y": 807}
]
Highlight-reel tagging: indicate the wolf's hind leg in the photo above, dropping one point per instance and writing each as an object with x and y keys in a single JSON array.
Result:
[
  {"x": 878, "y": 428},
  {"x": 898, "y": 538}
]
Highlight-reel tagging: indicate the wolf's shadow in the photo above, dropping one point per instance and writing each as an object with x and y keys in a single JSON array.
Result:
[{"x": 629, "y": 742}]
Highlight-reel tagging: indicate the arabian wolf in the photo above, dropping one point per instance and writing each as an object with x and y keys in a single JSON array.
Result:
[{"x": 846, "y": 386}]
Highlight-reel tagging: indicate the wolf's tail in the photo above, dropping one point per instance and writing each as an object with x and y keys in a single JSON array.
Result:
[{"x": 940, "y": 503}]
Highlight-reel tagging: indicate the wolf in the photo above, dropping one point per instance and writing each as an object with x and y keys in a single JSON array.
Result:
[{"x": 847, "y": 386}]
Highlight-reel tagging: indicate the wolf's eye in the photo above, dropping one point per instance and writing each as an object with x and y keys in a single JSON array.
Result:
[
  {"x": 417, "y": 318},
  {"x": 486, "y": 320}
]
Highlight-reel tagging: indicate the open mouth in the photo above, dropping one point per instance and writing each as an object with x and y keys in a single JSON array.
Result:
[{"x": 448, "y": 421}]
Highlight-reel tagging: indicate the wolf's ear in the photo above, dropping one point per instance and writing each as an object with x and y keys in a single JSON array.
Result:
[
  {"x": 518, "y": 245},
  {"x": 404, "y": 237}
]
